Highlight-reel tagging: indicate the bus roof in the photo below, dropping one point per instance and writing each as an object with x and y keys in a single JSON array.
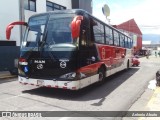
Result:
[
  {"x": 78, "y": 12},
  {"x": 71, "y": 11}
]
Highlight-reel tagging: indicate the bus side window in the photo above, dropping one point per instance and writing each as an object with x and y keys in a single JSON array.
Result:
[
  {"x": 131, "y": 43},
  {"x": 108, "y": 33},
  {"x": 116, "y": 38},
  {"x": 98, "y": 31},
  {"x": 122, "y": 40},
  {"x": 126, "y": 42}
]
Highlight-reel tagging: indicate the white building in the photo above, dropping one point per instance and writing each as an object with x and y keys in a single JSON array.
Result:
[{"x": 21, "y": 10}]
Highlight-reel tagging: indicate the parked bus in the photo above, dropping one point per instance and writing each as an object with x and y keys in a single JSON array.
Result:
[{"x": 70, "y": 49}]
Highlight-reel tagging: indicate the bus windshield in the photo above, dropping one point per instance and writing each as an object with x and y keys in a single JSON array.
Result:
[
  {"x": 35, "y": 31},
  {"x": 52, "y": 31},
  {"x": 58, "y": 30}
]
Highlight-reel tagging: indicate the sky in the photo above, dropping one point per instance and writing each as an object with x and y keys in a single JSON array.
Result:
[{"x": 146, "y": 13}]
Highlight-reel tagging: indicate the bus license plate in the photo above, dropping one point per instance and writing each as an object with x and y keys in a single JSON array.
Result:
[{"x": 40, "y": 82}]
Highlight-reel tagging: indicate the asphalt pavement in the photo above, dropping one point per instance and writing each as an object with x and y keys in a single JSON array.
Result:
[
  {"x": 150, "y": 99},
  {"x": 151, "y": 96},
  {"x": 153, "y": 104}
]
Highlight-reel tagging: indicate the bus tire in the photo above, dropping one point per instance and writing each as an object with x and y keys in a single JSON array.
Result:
[
  {"x": 127, "y": 64},
  {"x": 101, "y": 75}
]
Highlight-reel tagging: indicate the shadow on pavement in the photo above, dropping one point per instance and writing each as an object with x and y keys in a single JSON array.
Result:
[{"x": 89, "y": 93}]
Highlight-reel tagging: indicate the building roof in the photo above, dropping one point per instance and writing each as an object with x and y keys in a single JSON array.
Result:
[{"x": 130, "y": 26}]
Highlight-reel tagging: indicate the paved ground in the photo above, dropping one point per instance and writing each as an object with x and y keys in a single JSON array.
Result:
[
  {"x": 124, "y": 91},
  {"x": 150, "y": 99}
]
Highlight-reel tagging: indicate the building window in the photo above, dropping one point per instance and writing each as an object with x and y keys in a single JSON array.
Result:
[
  {"x": 30, "y": 5},
  {"x": 53, "y": 6}
]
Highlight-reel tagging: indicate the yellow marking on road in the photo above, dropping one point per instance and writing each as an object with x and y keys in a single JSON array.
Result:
[
  {"x": 153, "y": 103},
  {"x": 153, "y": 100}
]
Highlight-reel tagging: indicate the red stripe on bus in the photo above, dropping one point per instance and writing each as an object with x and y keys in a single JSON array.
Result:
[
  {"x": 56, "y": 86},
  {"x": 49, "y": 86},
  {"x": 64, "y": 87},
  {"x": 73, "y": 88}
]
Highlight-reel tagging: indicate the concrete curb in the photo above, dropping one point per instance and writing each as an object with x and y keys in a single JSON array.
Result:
[
  {"x": 7, "y": 77},
  {"x": 154, "y": 103}
]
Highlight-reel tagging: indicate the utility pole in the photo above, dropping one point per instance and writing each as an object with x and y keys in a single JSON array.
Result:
[{"x": 21, "y": 18}]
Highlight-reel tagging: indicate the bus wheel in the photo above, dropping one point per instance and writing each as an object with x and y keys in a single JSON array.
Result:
[
  {"x": 128, "y": 64},
  {"x": 101, "y": 74}
]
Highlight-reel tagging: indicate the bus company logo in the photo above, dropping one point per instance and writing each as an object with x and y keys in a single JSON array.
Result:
[
  {"x": 40, "y": 66},
  {"x": 40, "y": 61},
  {"x": 63, "y": 64}
]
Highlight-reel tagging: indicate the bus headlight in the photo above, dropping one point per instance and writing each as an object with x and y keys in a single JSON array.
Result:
[{"x": 71, "y": 75}]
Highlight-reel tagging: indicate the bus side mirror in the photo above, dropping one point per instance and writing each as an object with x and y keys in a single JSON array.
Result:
[
  {"x": 75, "y": 26},
  {"x": 8, "y": 31},
  {"x": 11, "y": 25}
]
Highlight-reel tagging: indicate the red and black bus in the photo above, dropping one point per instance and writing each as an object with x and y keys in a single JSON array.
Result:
[{"x": 70, "y": 49}]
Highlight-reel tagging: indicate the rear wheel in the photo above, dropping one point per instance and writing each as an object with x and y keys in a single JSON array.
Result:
[
  {"x": 128, "y": 64},
  {"x": 101, "y": 74}
]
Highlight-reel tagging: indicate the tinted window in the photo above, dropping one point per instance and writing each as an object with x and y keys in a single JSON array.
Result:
[
  {"x": 35, "y": 31},
  {"x": 98, "y": 30},
  {"x": 130, "y": 43},
  {"x": 122, "y": 40},
  {"x": 116, "y": 38},
  {"x": 126, "y": 42},
  {"x": 109, "y": 36},
  {"x": 58, "y": 30}
]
